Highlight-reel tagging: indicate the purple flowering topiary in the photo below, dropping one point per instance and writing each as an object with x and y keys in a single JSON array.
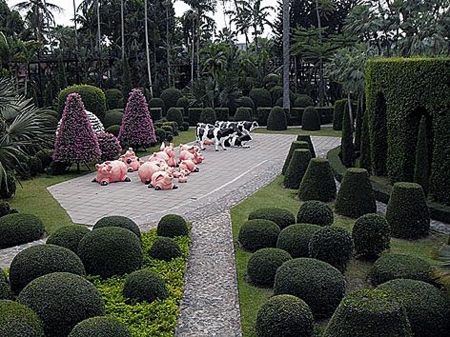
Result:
[
  {"x": 76, "y": 140},
  {"x": 137, "y": 126},
  {"x": 109, "y": 145}
]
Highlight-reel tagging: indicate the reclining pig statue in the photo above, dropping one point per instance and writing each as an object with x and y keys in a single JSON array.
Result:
[
  {"x": 191, "y": 152},
  {"x": 147, "y": 169},
  {"x": 162, "y": 180},
  {"x": 130, "y": 159},
  {"x": 110, "y": 172},
  {"x": 188, "y": 166}
]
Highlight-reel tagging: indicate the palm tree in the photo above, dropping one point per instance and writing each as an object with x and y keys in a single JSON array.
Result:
[
  {"x": 147, "y": 51},
  {"x": 286, "y": 55}
]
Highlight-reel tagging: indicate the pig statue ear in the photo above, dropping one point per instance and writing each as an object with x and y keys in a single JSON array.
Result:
[
  {"x": 171, "y": 145},
  {"x": 109, "y": 167},
  {"x": 97, "y": 166}
]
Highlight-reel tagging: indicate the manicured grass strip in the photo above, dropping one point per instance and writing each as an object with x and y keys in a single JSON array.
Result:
[{"x": 325, "y": 131}]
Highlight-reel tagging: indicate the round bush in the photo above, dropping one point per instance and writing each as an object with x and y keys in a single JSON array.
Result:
[
  {"x": 184, "y": 126},
  {"x": 68, "y": 237},
  {"x": 261, "y": 97},
  {"x": 144, "y": 285},
  {"x": 295, "y": 145},
  {"x": 35, "y": 261},
  {"x": 263, "y": 265},
  {"x": 183, "y": 102},
  {"x": 62, "y": 300},
  {"x": 407, "y": 212},
  {"x": 5, "y": 288},
  {"x": 276, "y": 93},
  {"x": 114, "y": 129},
  {"x": 157, "y": 103},
  {"x": 368, "y": 313},
  {"x": 114, "y": 98},
  {"x": 399, "y": 266},
  {"x": 318, "y": 182},
  {"x": 164, "y": 248},
  {"x": 338, "y": 113},
  {"x": 18, "y": 320},
  {"x": 258, "y": 233},
  {"x": 284, "y": 315},
  {"x": 109, "y": 146},
  {"x": 427, "y": 307},
  {"x": 355, "y": 196},
  {"x": 319, "y": 284},
  {"x": 208, "y": 116},
  {"x": 295, "y": 239},
  {"x": 113, "y": 117},
  {"x": 170, "y": 96},
  {"x": 160, "y": 135},
  {"x": 118, "y": 221},
  {"x": 247, "y": 102},
  {"x": 307, "y": 138},
  {"x": 315, "y": 212},
  {"x": 282, "y": 217},
  {"x": 93, "y": 98},
  {"x": 110, "y": 251},
  {"x": 172, "y": 225},
  {"x": 243, "y": 114},
  {"x": 277, "y": 119},
  {"x": 303, "y": 101},
  {"x": 297, "y": 168},
  {"x": 175, "y": 115},
  {"x": 18, "y": 228},
  {"x": 100, "y": 326},
  {"x": 310, "y": 119},
  {"x": 371, "y": 235}
]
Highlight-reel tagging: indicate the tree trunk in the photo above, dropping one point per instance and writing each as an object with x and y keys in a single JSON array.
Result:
[
  {"x": 286, "y": 57},
  {"x": 193, "y": 52},
  {"x": 321, "y": 81},
  {"x": 75, "y": 24},
  {"x": 122, "y": 28},
  {"x": 147, "y": 51},
  {"x": 168, "y": 45}
]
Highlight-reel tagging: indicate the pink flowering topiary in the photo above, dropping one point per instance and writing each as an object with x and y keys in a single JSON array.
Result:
[
  {"x": 109, "y": 145},
  {"x": 137, "y": 126},
  {"x": 76, "y": 140}
]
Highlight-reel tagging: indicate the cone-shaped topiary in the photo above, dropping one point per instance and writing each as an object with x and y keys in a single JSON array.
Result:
[
  {"x": 175, "y": 115},
  {"x": 284, "y": 315},
  {"x": 263, "y": 265},
  {"x": 310, "y": 119},
  {"x": 172, "y": 225},
  {"x": 315, "y": 212},
  {"x": 303, "y": 101},
  {"x": 76, "y": 140},
  {"x": 422, "y": 163},
  {"x": 318, "y": 182},
  {"x": 295, "y": 239},
  {"x": 338, "y": 114},
  {"x": 297, "y": 168},
  {"x": 407, "y": 212},
  {"x": 164, "y": 248},
  {"x": 18, "y": 228},
  {"x": 18, "y": 320},
  {"x": 277, "y": 119},
  {"x": 170, "y": 96},
  {"x": 109, "y": 146},
  {"x": 137, "y": 126},
  {"x": 68, "y": 237},
  {"x": 208, "y": 116},
  {"x": 118, "y": 221},
  {"x": 347, "y": 146},
  {"x": 282, "y": 217},
  {"x": 294, "y": 146},
  {"x": 355, "y": 196},
  {"x": 243, "y": 114},
  {"x": 364, "y": 160},
  {"x": 100, "y": 326},
  {"x": 5, "y": 289},
  {"x": 307, "y": 138},
  {"x": 368, "y": 313},
  {"x": 371, "y": 235},
  {"x": 144, "y": 285},
  {"x": 427, "y": 307},
  {"x": 319, "y": 284},
  {"x": 258, "y": 233}
]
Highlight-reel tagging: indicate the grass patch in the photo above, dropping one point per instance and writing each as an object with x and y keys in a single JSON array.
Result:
[{"x": 324, "y": 131}]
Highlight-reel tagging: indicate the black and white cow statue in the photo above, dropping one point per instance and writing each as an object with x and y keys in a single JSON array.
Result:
[
  {"x": 242, "y": 132},
  {"x": 241, "y": 126},
  {"x": 206, "y": 134}
]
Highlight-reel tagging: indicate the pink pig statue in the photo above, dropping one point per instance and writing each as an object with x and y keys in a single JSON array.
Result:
[
  {"x": 182, "y": 177},
  {"x": 131, "y": 160},
  {"x": 146, "y": 171},
  {"x": 188, "y": 165},
  {"x": 162, "y": 154},
  {"x": 110, "y": 172},
  {"x": 162, "y": 180}
]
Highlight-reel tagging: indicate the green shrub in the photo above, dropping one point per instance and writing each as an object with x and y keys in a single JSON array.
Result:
[
  {"x": 297, "y": 168},
  {"x": 114, "y": 99},
  {"x": 175, "y": 115},
  {"x": 295, "y": 239},
  {"x": 155, "y": 103},
  {"x": 164, "y": 248},
  {"x": 5, "y": 208},
  {"x": 243, "y": 114},
  {"x": 173, "y": 125},
  {"x": 247, "y": 102},
  {"x": 276, "y": 93},
  {"x": 263, "y": 265},
  {"x": 303, "y": 101},
  {"x": 18, "y": 320},
  {"x": 156, "y": 113},
  {"x": 258, "y": 233},
  {"x": 400, "y": 266},
  {"x": 294, "y": 146},
  {"x": 315, "y": 212},
  {"x": 170, "y": 96},
  {"x": 338, "y": 115},
  {"x": 282, "y": 217},
  {"x": 183, "y": 103},
  {"x": 261, "y": 97},
  {"x": 184, "y": 126},
  {"x": 144, "y": 285},
  {"x": 62, "y": 300},
  {"x": 5, "y": 288},
  {"x": 427, "y": 307},
  {"x": 310, "y": 119},
  {"x": 68, "y": 237},
  {"x": 222, "y": 113},
  {"x": 371, "y": 235},
  {"x": 110, "y": 251},
  {"x": 318, "y": 182},
  {"x": 35, "y": 261},
  {"x": 319, "y": 284},
  {"x": 113, "y": 117},
  {"x": 160, "y": 135},
  {"x": 284, "y": 315},
  {"x": 100, "y": 326},
  {"x": 262, "y": 114},
  {"x": 307, "y": 138},
  {"x": 368, "y": 313},
  {"x": 93, "y": 98},
  {"x": 208, "y": 116},
  {"x": 113, "y": 129},
  {"x": 347, "y": 146},
  {"x": 172, "y": 225},
  {"x": 407, "y": 212},
  {"x": 422, "y": 162},
  {"x": 35, "y": 166},
  {"x": 11, "y": 184},
  {"x": 355, "y": 196},
  {"x": 194, "y": 115},
  {"x": 118, "y": 221},
  {"x": 18, "y": 228},
  {"x": 276, "y": 120}
]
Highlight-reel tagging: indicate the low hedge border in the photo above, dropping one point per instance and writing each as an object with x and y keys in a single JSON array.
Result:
[{"x": 382, "y": 193}]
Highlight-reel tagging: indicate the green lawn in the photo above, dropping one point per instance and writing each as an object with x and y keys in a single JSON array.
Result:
[{"x": 296, "y": 130}]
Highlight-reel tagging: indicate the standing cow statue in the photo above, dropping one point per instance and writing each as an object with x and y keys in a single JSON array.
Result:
[
  {"x": 130, "y": 159},
  {"x": 110, "y": 172}
]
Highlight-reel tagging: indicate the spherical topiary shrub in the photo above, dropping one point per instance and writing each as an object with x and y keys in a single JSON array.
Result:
[
  {"x": 114, "y": 129},
  {"x": 18, "y": 320},
  {"x": 310, "y": 119},
  {"x": 315, "y": 212},
  {"x": 157, "y": 103},
  {"x": 144, "y": 285},
  {"x": 355, "y": 196},
  {"x": 18, "y": 228},
  {"x": 118, "y": 221},
  {"x": 307, "y": 138},
  {"x": 258, "y": 233},
  {"x": 5, "y": 288},
  {"x": 247, "y": 102},
  {"x": 407, "y": 212},
  {"x": 297, "y": 168},
  {"x": 261, "y": 97},
  {"x": 110, "y": 251},
  {"x": 371, "y": 235},
  {"x": 109, "y": 146},
  {"x": 368, "y": 313},
  {"x": 172, "y": 225},
  {"x": 318, "y": 182},
  {"x": 399, "y": 266},
  {"x": 319, "y": 284},
  {"x": 427, "y": 307},
  {"x": 93, "y": 98},
  {"x": 68, "y": 237},
  {"x": 303, "y": 101},
  {"x": 284, "y": 315},
  {"x": 164, "y": 248},
  {"x": 277, "y": 119},
  {"x": 333, "y": 245},
  {"x": 114, "y": 98},
  {"x": 183, "y": 103},
  {"x": 208, "y": 116},
  {"x": 100, "y": 326},
  {"x": 113, "y": 117},
  {"x": 282, "y": 217},
  {"x": 263, "y": 265},
  {"x": 62, "y": 300},
  {"x": 175, "y": 115},
  {"x": 170, "y": 96},
  {"x": 243, "y": 114},
  {"x": 295, "y": 239},
  {"x": 295, "y": 145}
]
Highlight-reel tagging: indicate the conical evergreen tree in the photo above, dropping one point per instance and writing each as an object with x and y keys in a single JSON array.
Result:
[
  {"x": 364, "y": 161},
  {"x": 422, "y": 164},
  {"x": 347, "y": 147}
]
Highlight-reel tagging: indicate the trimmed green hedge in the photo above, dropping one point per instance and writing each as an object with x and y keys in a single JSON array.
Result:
[
  {"x": 258, "y": 233},
  {"x": 282, "y": 217},
  {"x": 18, "y": 228},
  {"x": 318, "y": 182},
  {"x": 243, "y": 114},
  {"x": 175, "y": 115},
  {"x": 144, "y": 285},
  {"x": 164, "y": 248},
  {"x": 170, "y": 96},
  {"x": 194, "y": 115},
  {"x": 261, "y": 97},
  {"x": 68, "y": 237},
  {"x": 276, "y": 121},
  {"x": 371, "y": 235},
  {"x": 297, "y": 168},
  {"x": 307, "y": 138},
  {"x": 208, "y": 116},
  {"x": 18, "y": 320},
  {"x": 5, "y": 288},
  {"x": 222, "y": 114},
  {"x": 338, "y": 114},
  {"x": 294, "y": 146},
  {"x": 172, "y": 225},
  {"x": 315, "y": 212},
  {"x": 263, "y": 264},
  {"x": 118, "y": 221},
  {"x": 113, "y": 117},
  {"x": 310, "y": 119},
  {"x": 94, "y": 99},
  {"x": 295, "y": 239},
  {"x": 100, "y": 326}
]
